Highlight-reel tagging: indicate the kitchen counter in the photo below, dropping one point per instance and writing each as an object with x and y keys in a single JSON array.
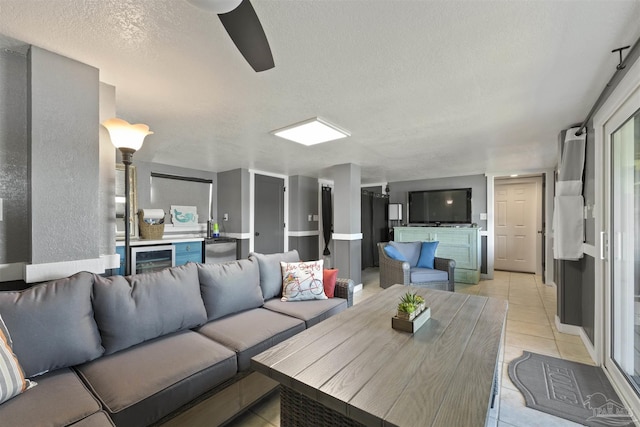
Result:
[{"x": 164, "y": 240}]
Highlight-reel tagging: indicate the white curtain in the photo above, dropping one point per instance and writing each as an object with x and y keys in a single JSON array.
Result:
[{"x": 568, "y": 223}]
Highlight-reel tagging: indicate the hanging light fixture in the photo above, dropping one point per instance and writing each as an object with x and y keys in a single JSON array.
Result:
[{"x": 128, "y": 139}]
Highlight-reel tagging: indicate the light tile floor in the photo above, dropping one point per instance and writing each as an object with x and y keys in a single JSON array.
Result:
[{"x": 530, "y": 326}]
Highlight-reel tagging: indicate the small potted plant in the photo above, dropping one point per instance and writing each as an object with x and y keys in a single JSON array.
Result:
[
  {"x": 406, "y": 311},
  {"x": 410, "y": 306}
]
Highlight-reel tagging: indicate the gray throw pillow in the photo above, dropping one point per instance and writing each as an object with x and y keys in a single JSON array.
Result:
[
  {"x": 230, "y": 287},
  {"x": 133, "y": 309},
  {"x": 410, "y": 251},
  {"x": 52, "y": 324},
  {"x": 270, "y": 273}
]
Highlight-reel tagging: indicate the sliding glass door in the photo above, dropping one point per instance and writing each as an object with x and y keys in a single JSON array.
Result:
[{"x": 624, "y": 243}]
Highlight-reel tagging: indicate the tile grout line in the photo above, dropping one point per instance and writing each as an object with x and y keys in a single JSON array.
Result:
[{"x": 546, "y": 313}]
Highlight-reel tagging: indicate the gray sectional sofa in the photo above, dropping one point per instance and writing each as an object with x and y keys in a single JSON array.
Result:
[{"x": 129, "y": 351}]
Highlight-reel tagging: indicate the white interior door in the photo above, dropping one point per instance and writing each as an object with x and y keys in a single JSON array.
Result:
[{"x": 518, "y": 217}]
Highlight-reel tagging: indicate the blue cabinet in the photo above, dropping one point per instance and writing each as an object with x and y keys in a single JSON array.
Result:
[{"x": 188, "y": 251}]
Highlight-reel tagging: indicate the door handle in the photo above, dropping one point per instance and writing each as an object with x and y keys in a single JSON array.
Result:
[
  {"x": 603, "y": 243},
  {"x": 257, "y": 234}
]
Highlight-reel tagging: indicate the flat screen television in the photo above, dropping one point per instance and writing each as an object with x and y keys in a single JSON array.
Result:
[{"x": 440, "y": 206}]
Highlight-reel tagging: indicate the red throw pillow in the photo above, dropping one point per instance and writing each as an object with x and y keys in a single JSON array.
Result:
[{"x": 329, "y": 277}]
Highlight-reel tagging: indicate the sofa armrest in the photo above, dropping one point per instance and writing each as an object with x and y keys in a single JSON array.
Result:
[
  {"x": 448, "y": 265},
  {"x": 392, "y": 271},
  {"x": 344, "y": 289}
]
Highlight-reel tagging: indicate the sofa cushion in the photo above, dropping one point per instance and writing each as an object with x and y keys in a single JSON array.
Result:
[
  {"x": 422, "y": 275},
  {"x": 409, "y": 250},
  {"x": 142, "y": 384},
  {"x": 133, "y": 309},
  {"x": 52, "y": 324},
  {"x": 230, "y": 287},
  {"x": 12, "y": 380},
  {"x": 312, "y": 312},
  {"x": 427, "y": 254},
  {"x": 302, "y": 281},
  {"x": 60, "y": 399},
  {"x": 251, "y": 332},
  {"x": 270, "y": 274}
]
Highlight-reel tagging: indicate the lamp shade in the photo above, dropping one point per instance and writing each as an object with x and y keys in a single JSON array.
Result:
[{"x": 125, "y": 135}]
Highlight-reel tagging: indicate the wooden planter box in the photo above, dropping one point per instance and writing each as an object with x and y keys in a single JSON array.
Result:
[{"x": 412, "y": 324}]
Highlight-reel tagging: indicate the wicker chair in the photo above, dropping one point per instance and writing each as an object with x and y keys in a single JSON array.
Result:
[{"x": 393, "y": 271}]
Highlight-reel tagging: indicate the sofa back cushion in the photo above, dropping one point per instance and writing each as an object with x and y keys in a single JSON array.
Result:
[
  {"x": 52, "y": 324},
  {"x": 409, "y": 250},
  {"x": 270, "y": 273},
  {"x": 230, "y": 287},
  {"x": 133, "y": 309}
]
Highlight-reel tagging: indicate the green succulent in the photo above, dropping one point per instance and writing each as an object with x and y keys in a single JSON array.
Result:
[
  {"x": 411, "y": 298},
  {"x": 406, "y": 307}
]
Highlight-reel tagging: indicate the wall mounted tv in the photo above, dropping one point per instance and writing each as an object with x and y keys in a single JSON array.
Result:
[{"x": 440, "y": 206}]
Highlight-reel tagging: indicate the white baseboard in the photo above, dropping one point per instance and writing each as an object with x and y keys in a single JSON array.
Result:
[
  {"x": 579, "y": 331},
  {"x": 357, "y": 288},
  {"x": 567, "y": 329},
  {"x": 111, "y": 261},
  {"x": 14, "y": 271}
]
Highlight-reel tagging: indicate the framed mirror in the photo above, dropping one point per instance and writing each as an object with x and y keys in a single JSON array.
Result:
[{"x": 120, "y": 201}]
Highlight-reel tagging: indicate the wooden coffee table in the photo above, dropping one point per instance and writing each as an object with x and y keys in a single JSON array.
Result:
[{"x": 354, "y": 369}]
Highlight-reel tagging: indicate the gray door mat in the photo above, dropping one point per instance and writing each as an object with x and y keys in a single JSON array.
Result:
[{"x": 570, "y": 390}]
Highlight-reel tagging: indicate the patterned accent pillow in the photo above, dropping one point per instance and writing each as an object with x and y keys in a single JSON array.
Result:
[
  {"x": 12, "y": 380},
  {"x": 302, "y": 281}
]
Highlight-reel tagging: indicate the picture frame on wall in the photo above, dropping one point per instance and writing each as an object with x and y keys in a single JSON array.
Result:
[{"x": 184, "y": 215}]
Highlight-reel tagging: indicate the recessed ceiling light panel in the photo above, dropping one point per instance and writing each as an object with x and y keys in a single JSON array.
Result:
[{"x": 311, "y": 132}]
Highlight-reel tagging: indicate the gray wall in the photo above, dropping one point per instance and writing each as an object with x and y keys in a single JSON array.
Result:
[
  {"x": 306, "y": 246},
  {"x": 398, "y": 193},
  {"x": 347, "y": 254},
  {"x": 64, "y": 158},
  {"x": 107, "y": 172},
  {"x": 234, "y": 199},
  {"x": 303, "y": 201},
  {"x": 14, "y": 185},
  {"x": 588, "y": 274},
  {"x": 346, "y": 199}
]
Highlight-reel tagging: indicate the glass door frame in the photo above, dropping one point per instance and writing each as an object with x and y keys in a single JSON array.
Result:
[{"x": 619, "y": 107}]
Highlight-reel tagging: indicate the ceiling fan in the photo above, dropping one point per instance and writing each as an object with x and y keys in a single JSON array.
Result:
[{"x": 241, "y": 22}]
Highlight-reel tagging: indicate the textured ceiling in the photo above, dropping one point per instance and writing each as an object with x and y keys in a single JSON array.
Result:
[{"x": 426, "y": 88}]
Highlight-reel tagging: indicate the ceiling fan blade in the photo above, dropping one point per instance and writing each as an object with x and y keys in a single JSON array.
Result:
[{"x": 245, "y": 30}]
